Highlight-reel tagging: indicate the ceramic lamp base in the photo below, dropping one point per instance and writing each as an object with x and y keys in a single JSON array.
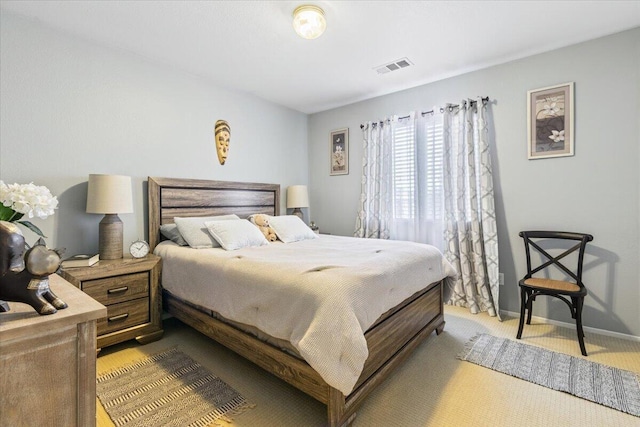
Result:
[
  {"x": 297, "y": 212},
  {"x": 110, "y": 237}
]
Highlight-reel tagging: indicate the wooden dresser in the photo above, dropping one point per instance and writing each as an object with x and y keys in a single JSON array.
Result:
[
  {"x": 48, "y": 363},
  {"x": 130, "y": 288}
]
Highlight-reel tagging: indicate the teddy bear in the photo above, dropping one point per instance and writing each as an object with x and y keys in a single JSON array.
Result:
[{"x": 262, "y": 222}]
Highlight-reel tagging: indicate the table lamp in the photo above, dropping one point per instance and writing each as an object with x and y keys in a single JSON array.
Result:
[
  {"x": 297, "y": 197},
  {"x": 110, "y": 195}
]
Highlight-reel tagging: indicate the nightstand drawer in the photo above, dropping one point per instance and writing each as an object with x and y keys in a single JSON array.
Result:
[
  {"x": 124, "y": 315},
  {"x": 113, "y": 290}
]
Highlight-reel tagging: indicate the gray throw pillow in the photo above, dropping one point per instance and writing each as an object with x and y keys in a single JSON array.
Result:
[{"x": 171, "y": 232}]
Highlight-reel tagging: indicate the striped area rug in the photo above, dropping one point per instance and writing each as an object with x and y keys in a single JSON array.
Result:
[
  {"x": 167, "y": 389},
  {"x": 612, "y": 387}
]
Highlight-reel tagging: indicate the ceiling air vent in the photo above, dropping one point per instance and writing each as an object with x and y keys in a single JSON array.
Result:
[{"x": 393, "y": 66}]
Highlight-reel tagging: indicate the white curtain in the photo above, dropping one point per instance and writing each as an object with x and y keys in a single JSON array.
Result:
[
  {"x": 374, "y": 210},
  {"x": 402, "y": 193},
  {"x": 470, "y": 221},
  {"x": 427, "y": 178}
]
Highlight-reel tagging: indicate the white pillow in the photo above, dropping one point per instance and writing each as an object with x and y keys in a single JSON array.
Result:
[
  {"x": 290, "y": 228},
  {"x": 234, "y": 235},
  {"x": 195, "y": 232}
]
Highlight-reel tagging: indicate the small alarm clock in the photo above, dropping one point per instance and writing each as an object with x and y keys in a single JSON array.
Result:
[{"x": 139, "y": 249}]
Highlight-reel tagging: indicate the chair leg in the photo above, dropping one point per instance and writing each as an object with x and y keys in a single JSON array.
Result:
[
  {"x": 574, "y": 309},
  {"x": 579, "y": 303},
  {"x": 530, "y": 300},
  {"x": 523, "y": 304}
]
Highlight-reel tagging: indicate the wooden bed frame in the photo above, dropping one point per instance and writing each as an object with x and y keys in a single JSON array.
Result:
[{"x": 390, "y": 340}]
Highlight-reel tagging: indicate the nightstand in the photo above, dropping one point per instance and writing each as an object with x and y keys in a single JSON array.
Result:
[
  {"x": 48, "y": 363},
  {"x": 130, "y": 289}
]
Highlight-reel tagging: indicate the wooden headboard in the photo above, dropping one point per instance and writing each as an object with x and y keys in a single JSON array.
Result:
[{"x": 171, "y": 197}]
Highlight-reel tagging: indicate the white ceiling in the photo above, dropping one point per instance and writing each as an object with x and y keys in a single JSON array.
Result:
[{"x": 251, "y": 46}]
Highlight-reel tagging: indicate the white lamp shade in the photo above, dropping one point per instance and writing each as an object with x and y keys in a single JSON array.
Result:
[
  {"x": 109, "y": 194},
  {"x": 309, "y": 21},
  {"x": 297, "y": 196}
]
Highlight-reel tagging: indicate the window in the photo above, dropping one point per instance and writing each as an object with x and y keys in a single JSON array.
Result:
[
  {"x": 434, "y": 167},
  {"x": 417, "y": 162},
  {"x": 404, "y": 170}
]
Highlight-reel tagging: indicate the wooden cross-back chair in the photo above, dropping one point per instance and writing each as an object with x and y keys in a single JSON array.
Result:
[{"x": 572, "y": 292}]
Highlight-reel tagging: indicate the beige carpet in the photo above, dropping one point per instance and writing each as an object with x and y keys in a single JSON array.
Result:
[{"x": 433, "y": 387}]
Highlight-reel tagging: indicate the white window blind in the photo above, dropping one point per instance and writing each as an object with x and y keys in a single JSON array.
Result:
[
  {"x": 418, "y": 168},
  {"x": 434, "y": 167},
  {"x": 404, "y": 170}
]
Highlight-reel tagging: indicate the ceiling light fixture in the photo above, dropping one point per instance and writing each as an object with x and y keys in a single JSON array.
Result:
[{"x": 309, "y": 22}]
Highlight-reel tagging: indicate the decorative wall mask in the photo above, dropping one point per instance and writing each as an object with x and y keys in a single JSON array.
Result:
[{"x": 222, "y": 136}]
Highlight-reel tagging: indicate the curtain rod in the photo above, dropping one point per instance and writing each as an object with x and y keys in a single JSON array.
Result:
[{"x": 485, "y": 99}]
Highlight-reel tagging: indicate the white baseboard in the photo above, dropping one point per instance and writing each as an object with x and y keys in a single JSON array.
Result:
[{"x": 573, "y": 325}]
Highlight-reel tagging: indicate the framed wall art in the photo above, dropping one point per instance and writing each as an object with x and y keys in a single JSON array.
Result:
[
  {"x": 550, "y": 121},
  {"x": 339, "y": 152}
]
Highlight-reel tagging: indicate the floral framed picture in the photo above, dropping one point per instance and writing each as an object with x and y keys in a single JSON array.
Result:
[
  {"x": 550, "y": 121},
  {"x": 339, "y": 152}
]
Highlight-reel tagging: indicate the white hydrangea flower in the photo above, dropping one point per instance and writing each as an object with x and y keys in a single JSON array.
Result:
[{"x": 28, "y": 199}]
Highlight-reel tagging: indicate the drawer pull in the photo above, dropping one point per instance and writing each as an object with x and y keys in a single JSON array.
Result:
[
  {"x": 118, "y": 317},
  {"x": 117, "y": 290}
]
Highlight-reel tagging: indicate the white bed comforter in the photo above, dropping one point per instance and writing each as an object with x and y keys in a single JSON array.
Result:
[{"x": 321, "y": 295}]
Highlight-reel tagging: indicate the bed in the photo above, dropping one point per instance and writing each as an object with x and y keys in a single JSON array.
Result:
[{"x": 389, "y": 338}]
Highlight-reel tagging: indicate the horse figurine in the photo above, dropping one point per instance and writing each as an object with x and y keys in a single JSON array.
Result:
[{"x": 26, "y": 279}]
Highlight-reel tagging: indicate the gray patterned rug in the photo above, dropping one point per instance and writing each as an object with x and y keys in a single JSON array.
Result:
[
  {"x": 167, "y": 389},
  {"x": 612, "y": 387}
]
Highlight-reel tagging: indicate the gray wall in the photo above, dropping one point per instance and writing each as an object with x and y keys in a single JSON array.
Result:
[
  {"x": 596, "y": 191},
  {"x": 70, "y": 108}
]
